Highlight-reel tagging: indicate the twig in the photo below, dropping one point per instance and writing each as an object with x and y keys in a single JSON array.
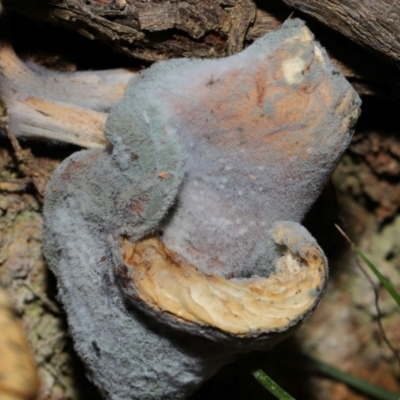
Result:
[
  {"x": 26, "y": 162},
  {"x": 375, "y": 289},
  {"x": 379, "y": 316},
  {"x": 385, "y": 282}
]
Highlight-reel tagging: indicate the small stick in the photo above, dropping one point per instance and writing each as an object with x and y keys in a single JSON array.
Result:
[{"x": 375, "y": 289}]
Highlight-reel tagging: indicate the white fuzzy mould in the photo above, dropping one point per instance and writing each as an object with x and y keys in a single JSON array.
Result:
[{"x": 293, "y": 70}]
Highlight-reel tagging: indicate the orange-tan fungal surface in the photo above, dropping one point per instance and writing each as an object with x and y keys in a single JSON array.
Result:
[{"x": 169, "y": 284}]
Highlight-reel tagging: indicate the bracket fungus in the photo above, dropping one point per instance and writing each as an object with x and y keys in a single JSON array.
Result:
[
  {"x": 19, "y": 379},
  {"x": 180, "y": 244}
]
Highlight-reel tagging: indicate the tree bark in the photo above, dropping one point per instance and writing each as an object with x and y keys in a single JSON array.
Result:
[
  {"x": 217, "y": 28},
  {"x": 371, "y": 23},
  {"x": 210, "y": 28},
  {"x": 152, "y": 31}
]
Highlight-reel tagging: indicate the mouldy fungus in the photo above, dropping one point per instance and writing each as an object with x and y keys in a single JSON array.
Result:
[{"x": 179, "y": 245}]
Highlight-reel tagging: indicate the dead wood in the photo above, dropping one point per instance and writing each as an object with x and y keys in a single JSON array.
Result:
[
  {"x": 68, "y": 107},
  {"x": 375, "y": 24},
  {"x": 169, "y": 29},
  {"x": 152, "y": 31}
]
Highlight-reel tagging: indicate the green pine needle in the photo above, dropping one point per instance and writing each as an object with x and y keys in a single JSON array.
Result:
[
  {"x": 385, "y": 282},
  {"x": 356, "y": 383},
  {"x": 271, "y": 386}
]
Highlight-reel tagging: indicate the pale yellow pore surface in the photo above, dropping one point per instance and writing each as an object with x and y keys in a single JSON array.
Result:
[{"x": 169, "y": 284}]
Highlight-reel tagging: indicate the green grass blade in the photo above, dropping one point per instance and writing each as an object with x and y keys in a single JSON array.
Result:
[
  {"x": 385, "y": 282},
  {"x": 360, "y": 384},
  {"x": 271, "y": 386}
]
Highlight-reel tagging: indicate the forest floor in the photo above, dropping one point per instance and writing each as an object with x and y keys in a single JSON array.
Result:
[{"x": 363, "y": 197}]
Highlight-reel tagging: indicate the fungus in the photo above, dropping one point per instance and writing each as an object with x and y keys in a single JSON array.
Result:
[
  {"x": 180, "y": 245},
  {"x": 18, "y": 375}
]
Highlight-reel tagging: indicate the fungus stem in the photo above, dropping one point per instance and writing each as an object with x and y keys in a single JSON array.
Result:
[{"x": 385, "y": 282}]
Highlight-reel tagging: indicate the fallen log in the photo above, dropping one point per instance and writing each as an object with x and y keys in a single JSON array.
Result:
[{"x": 373, "y": 24}]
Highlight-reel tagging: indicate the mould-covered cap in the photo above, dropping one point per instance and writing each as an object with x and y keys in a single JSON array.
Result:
[{"x": 172, "y": 247}]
